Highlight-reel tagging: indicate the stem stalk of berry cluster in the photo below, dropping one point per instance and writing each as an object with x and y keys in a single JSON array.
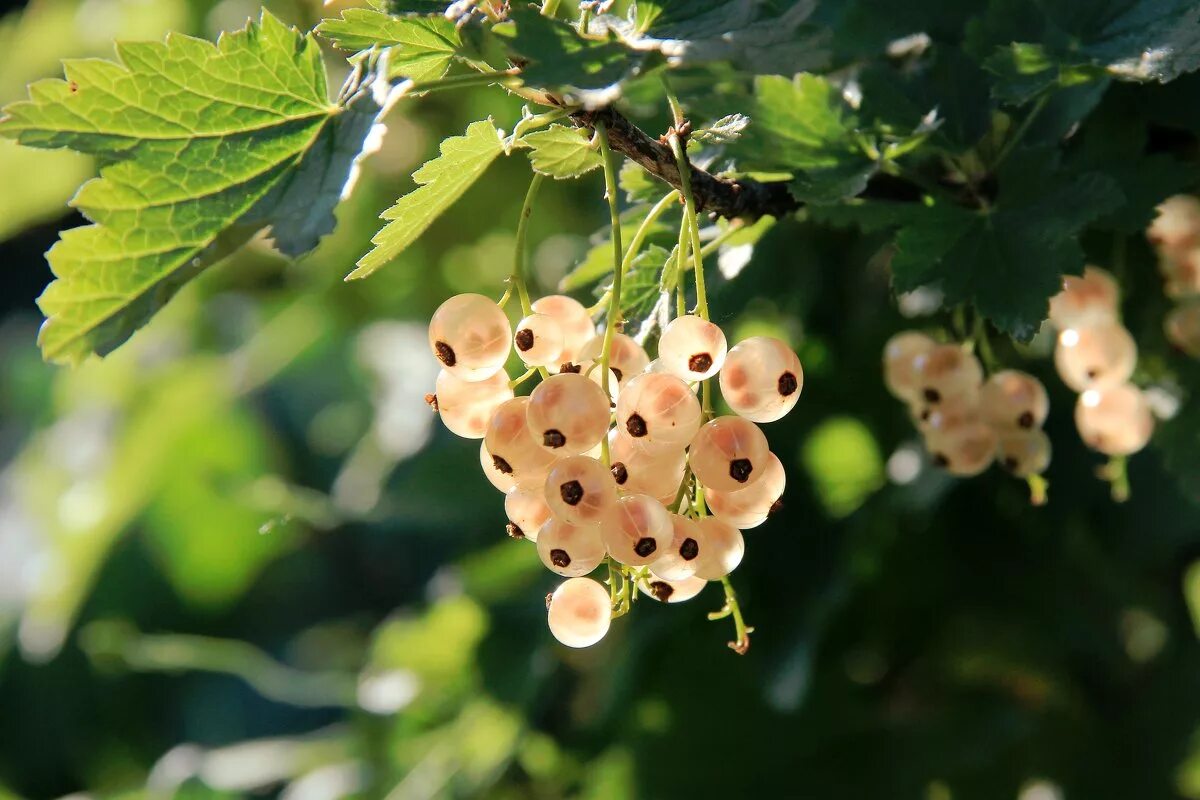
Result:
[
  {"x": 613, "y": 320},
  {"x": 635, "y": 244},
  {"x": 741, "y": 630}
]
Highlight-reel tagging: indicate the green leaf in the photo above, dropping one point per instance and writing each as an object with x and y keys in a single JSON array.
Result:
[
  {"x": 554, "y": 55},
  {"x": 639, "y": 186},
  {"x": 440, "y": 183},
  {"x": 727, "y": 129},
  {"x": 646, "y": 282},
  {"x": 202, "y": 146},
  {"x": 803, "y": 126},
  {"x": 419, "y": 48},
  {"x": 598, "y": 261},
  {"x": 1008, "y": 259},
  {"x": 562, "y": 152}
]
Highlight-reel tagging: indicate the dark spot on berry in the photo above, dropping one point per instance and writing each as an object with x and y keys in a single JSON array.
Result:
[
  {"x": 1092, "y": 374},
  {"x": 571, "y": 492},
  {"x": 926, "y": 413},
  {"x": 569, "y": 367},
  {"x": 689, "y": 549},
  {"x": 560, "y": 558},
  {"x": 619, "y": 473},
  {"x": 502, "y": 465},
  {"x": 553, "y": 438},
  {"x": 787, "y": 384},
  {"x": 1026, "y": 420},
  {"x": 740, "y": 469},
  {"x": 932, "y": 395},
  {"x": 524, "y": 339},
  {"x": 775, "y": 507},
  {"x": 549, "y": 598},
  {"x": 636, "y": 426},
  {"x": 616, "y": 372},
  {"x": 661, "y": 590},
  {"x": 701, "y": 362},
  {"x": 515, "y": 531},
  {"x": 431, "y": 401},
  {"x": 940, "y": 460},
  {"x": 645, "y": 546},
  {"x": 1011, "y": 464},
  {"x": 445, "y": 353}
]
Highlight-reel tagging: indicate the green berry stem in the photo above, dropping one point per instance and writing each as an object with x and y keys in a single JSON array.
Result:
[
  {"x": 1038, "y": 488},
  {"x": 550, "y": 7},
  {"x": 681, "y": 258},
  {"x": 1116, "y": 472},
  {"x": 519, "y": 256},
  {"x": 689, "y": 203},
  {"x": 984, "y": 345},
  {"x": 741, "y": 630},
  {"x": 614, "y": 303},
  {"x": 526, "y": 375},
  {"x": 635, "y": 243}
]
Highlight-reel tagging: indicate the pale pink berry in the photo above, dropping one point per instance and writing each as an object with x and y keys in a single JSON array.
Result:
[
  {"x": 1014, "y": 399},
  {"x": 626, "y": 357},
  {"x": 1182, "y": 327},
  {"x": 692, "y": 348},
  {"x": 721, "y": 548},
  {"x": 504, "y": 481},
  {"x": 666, "y": 590},
  {"x": 570, "y": 550},
  {"x": 637, "y": 531},
  {"x": 964, "y": 450},
  {"x": 470, "y": 336},
  {"x": 1095, "y": 356},
  {"x": 1089, "y": 299},
  {"x": 526, "y": 509},
  {"x": 511, "y": 444},
  {"x": 568, "y": 414},
  {"x": 572, "y": 318},
  {"x": 678, "y": 559},
  {"x": 660, "y": 411},
  {"x": 539, "y": 341},
  {"x": 580, "y": 490},
  {"x": 641, "y": 470},
  {"x": 1115, "y": 420},
  {"x": 579, "y": 612},
  {"x": 761, "y": 379},
  {"x": 749, "y": 507},
  {"x": 1024, "y": 452},
  {"x": 729, "y": 453},
  {"x": 898, "y": 369},
  {"x": 945, "y": 371},
  {"x": 467, "y": 407}
]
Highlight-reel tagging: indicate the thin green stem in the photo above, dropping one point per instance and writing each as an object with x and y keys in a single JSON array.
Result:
[
  {"x": 1019, "y": 134},
  {"x": 741, "y": 630},
  {"x": 1116, "y": 472},
  {"x": 517, "y": 381},
  {"x": 1038, "y": 487},
  {"x": 614, "y": 304},
  {"x": 689, "y": 202},
  {"x": 506, "y": 77},
  {"x": 518, "y": 273},
  {"x": 635, "y": 243},
  {"x": 550, "y": 7},
  {"x": 673, "y": 101},
  {"x": 984, "y": 345},
  {"x": 681, "y": 259}
]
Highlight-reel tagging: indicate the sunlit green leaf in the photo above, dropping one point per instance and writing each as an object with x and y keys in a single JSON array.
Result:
[
  {"x": 419, "y": 48},
  {"x": 562, "y": 152}
]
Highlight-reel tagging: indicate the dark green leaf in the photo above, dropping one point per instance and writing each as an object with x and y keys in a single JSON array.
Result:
[{"x": 554, "y": 55}]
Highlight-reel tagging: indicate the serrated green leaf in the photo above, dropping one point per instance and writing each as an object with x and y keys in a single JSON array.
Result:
[
  {"x": 727, "y": 129},
  {"x": 554, "y": 55},
  {"x": 646, "y": 282},
  {"x": 440, "y": 183},
  {"x": 562, "y": 152},
  {"x": 598, "y": 261},
  {"x": 419, "y": 48},
  {"x": 203, "y": 145}
]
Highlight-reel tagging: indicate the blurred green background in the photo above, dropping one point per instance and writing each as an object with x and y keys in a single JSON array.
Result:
[{"x": 239, "y": 557}]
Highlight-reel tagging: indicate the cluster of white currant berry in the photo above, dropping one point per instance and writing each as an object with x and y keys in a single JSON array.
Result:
[
  {"x": 968, "y": 422},
  {"x": 613, "y": 458},
  {"x": 1095, "y": 355},
  {"x": 1175, "y": 235}
]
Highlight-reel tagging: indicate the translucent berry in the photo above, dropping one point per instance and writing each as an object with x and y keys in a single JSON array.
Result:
[
  {"x": 948, "y": 412},
  {"x": 570, "y": 550},
  {"x": 641, "y": 470},
  {"x": 749, "y": 507},
  {"x": 638, "y": 531},
  {"x": 1182, "y": 327},
  {"x": 963, "y": 450},
  {"x": 572, "y": 318},
  {"x": 762, "y": 379},
  {"x": 898, "y": 370},
  {"x": 514, "y": 450},
  {"x": 1095, "y": 356},
  {"x": 579, "y": 612},
  {"x": 1181, "y": 274},
  {"x": 467, "y": 407},
  {"x": 729, "y": 453},
  {"x": 1089, "y": 299},
  {"x": 568, "y": 414},
  {"x": 1176, "y": 229},
  {"x": 678, "y": 559},
  {"x": 526, "y": 509},
  {"x": 580, "y": 490},
  {"x": 1014, "y": 399},
  {"x": 626, "y": 357},
  {"x": 504, "y": 481},
  {"x": 469, "y": 335},
  {"x": 666, "y": 590},
  {"x": 660, "y": 411},
  {"x": 721, "y": 548},
  {"x": 1024, "y": 452},
  {"x": 692, "y": 348},
  {"x": 539, "y": 341},
  {"x": 945, "y": 371},
  {"x": 1115, "y": 420}
]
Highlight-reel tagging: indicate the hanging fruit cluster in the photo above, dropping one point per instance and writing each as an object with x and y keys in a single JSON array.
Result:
[
  {"x": 1175, "y": 235},
  {"x": 613, "y": 458}
]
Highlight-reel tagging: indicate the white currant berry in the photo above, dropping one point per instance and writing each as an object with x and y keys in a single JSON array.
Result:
[
  {"x": 539, "y": 341},
  {"x": 1024, "y": 452},
  {"x": 660, "y": 411},
  {"x": 641, "y": 470},
  {"x": 637, "y": 531},
  {"x": 898, "y": 370},
  {"x": 469, "y": 334},
  {"x": 678, "y": 560},
  {"x": 949, "y": 412},
  {"x": 761, "y": 379},
  {"x": 466, "y": 407},
  {"x": 579, "y": 612},
  {"x": 721, "y": 548},
  {"x": 1014, "y": 399},
  {"x": 749, "y": 507},
  {"x": 1182, "y": 327},
  {"x": 692, "y": 348},
  {"x": 666, "y": 590},
  {"x": 526, "y": 509},
  {"x": 568, "y": 414},
  {"x": 1089, "y": 299},
  {"x": 729, "y": 453},
  {"x": 1095, "y": 356},
  {"x": 626, "y": 357},
  {"x": 573, "y": 320},
  {"x": 1176, "y": 228},
  {"x": 1181, "y": 274},
  {"x": 964, "y": 450},
  {"x": 946, "y": 371},
  {"x": 1115, "y": 420},
  {"x": 570, "y": 550},
  {"x": 504, "y": 481},
  {"x": 580, "y": 490},
  {"x": 512, "y": 445}
]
